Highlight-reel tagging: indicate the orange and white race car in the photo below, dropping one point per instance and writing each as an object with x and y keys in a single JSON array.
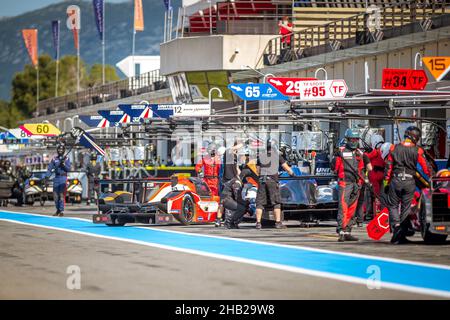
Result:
[{"x": 158, "y": 201}]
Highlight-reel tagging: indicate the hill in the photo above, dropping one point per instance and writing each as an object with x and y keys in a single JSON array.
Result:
[{"x": 119, "y": 33}]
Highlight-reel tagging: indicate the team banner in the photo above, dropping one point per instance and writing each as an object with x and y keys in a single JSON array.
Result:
[
  {"x": 56, "y": 37},
  {"x": 86, "y": 140},
  {"x": 137, "y": 112},
  {"x": 95, "y": 121},
  {"x": 138, "y": 16},
  {"x": 116, "y": 117},
  {"x": 30, "y": 37},
  {"x": 74, "y": 22},
  {"x": 167, "y": 4},
  {"x": 163, "y": 111},
  {"x": 98, "y": 13}
]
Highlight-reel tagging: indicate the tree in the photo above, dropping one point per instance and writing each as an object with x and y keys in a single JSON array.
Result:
[
  {"x": 5, "y": 114},
  {"x": 96, "y": 76},
  {"x": 24, "y": 90}
]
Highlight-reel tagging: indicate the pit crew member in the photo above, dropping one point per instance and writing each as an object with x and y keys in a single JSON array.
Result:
[
  {"x": 93, "y": 170},
  {"x": 59, "y": 166},
  {"x": 349, "y": 163},
  {"x": 268, "y": 185},
  {"x": 209, "y": 168},
  {"x": 401, "y": 166}
]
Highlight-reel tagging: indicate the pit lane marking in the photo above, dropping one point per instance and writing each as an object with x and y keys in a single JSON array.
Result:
[{"x": 402, "y": 275}]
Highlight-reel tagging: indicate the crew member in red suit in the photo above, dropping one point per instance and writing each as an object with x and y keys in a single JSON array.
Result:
[
  {"x": 286, "y": 29},
  {"x": 376, "y": 177},
  {"x": 349, "y": 163},
  {"x": 209, "y": 169}
]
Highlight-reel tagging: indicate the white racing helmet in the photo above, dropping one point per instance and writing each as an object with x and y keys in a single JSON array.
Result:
[
  {"x": 385, "y": 148},
  {"x": 221, "y": 150},
  {"x": 376, "y": 140}
]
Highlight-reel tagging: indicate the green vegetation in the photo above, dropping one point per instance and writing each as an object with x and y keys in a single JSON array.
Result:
[{"x": 24, "y": 88}]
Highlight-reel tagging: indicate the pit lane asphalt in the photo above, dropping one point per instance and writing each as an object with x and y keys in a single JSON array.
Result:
[{"x": 33, "y": 264}]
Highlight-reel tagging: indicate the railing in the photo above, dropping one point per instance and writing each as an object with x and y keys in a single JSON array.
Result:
[
  {"x": 347, "y": 32},
  {"x": 146, "y": 82},
  {"x": 234, "y": 17}
]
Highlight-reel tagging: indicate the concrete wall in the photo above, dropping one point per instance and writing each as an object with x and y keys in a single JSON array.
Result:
[{"x": 215, "y": 52}]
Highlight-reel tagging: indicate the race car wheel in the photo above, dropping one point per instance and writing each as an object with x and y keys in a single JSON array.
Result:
[
  {"x": 187, "y": 210},
  {"x": 29, "y": 200},
  {"x": 432, "y": 238},
  {"x": 427, "y": 236}
]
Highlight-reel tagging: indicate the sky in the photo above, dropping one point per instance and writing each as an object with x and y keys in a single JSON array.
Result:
[{"x": 11, "y": 8}]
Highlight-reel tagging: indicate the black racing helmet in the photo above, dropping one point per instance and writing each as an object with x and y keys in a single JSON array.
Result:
[
  {"x": 93, "y": 156},
  {"x": 413, "y": 133},
  {"x": 61, "y": 149}
]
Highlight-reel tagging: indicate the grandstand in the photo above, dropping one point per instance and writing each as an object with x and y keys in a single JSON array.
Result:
[{"x": 322, "y": 26}]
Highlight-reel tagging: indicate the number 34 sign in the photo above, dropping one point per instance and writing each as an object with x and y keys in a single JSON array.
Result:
[{"x": 41, "y": 129}]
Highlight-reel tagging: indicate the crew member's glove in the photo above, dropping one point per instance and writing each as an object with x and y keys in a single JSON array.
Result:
[
  {"x": 386, "y": 186},
  {"x": 200, "y": 174}
]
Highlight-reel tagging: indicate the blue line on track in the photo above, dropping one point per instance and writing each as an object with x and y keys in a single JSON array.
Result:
[{"x": 418, "y": 276}]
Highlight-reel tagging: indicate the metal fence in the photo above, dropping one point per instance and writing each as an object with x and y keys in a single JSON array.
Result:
[
  {"x": 234, "y": 17},
  {"x": 146, "y": 82},
  {"x": 348, "y": 32}
]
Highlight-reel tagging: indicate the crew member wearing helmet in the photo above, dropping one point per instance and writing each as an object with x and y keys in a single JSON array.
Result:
[
  {"x": 376, "y": 176},
  {"x": 209, "y": 169},
  {"x": 229, "y": 169},
  {"x": 59, "y": 167},
  {"x": 401, "y": 167},
  {"x": 93, "y": 170},
  {"x": 349, "y": 164}
]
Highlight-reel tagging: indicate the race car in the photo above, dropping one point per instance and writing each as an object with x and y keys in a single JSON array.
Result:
[
  {"x": 433, "y": 214},
  {"x": 158, "y": 201},
  {"x": 429, "y": 215},
  {"x": 302, "y": 198}
]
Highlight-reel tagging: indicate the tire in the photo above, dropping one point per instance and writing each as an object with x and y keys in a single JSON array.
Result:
[
  {"x": 29, "y": 200},
  {"x": 427, "y": 236},
  {"x": 432, "y": 238},
  {"x": 187, "y": 210}
]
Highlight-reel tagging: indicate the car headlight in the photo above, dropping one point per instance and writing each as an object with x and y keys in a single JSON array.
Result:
[
  {"x": 75, "y": 181},
  {"x": 32, "y": 183}
]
